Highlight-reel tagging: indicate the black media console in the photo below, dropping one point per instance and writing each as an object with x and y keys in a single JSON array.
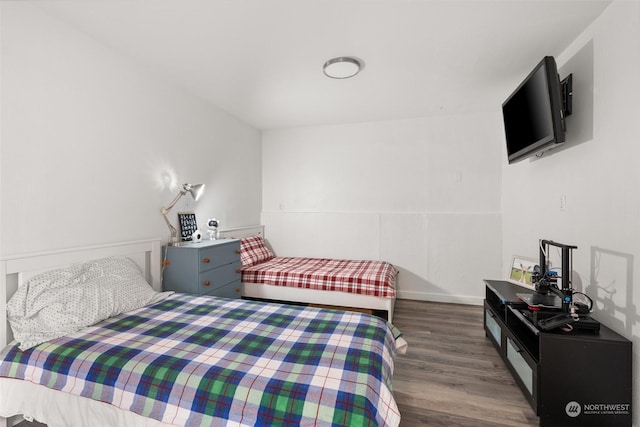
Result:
[{"x": 579, "y": 378}]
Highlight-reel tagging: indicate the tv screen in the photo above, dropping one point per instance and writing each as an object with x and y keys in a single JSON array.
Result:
[{"x": 533, "y": 115}]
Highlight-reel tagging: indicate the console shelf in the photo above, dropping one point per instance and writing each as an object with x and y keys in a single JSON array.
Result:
[{"x": 579, "y": 378}]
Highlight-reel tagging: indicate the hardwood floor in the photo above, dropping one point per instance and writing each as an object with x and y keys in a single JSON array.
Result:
[{"x": 451, "y": 374}]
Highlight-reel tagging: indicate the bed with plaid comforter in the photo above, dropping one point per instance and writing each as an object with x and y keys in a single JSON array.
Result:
[
  {"x": 203, "y": 361},
  {"x": 374, "y": 278}
]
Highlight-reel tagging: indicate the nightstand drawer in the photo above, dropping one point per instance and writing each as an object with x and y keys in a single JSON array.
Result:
[
  {"x": 230, "y": 290},
  {"x": 215, "y": 256},
  {"x": 217, "y": 277}
]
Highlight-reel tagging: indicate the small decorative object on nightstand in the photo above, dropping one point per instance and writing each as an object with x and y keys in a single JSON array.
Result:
[
  {"x": 188, "y": 225},
  {"x": 213, "y": 225},
  {"x": 210, "y": 267}
]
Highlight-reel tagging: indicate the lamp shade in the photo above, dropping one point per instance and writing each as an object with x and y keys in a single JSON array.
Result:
[{"x": 196, "y": 190}]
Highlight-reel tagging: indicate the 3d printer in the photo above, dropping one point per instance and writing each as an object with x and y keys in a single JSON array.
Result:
[{"x": 567, "y": 314}]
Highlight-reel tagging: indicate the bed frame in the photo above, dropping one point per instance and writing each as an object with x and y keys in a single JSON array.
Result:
[
  {"x": 15, "y": 270},
  {"x": 302, "y": 295}
]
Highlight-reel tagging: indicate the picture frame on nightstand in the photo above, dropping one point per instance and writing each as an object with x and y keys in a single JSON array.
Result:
[{"x": 188, "y": 225}]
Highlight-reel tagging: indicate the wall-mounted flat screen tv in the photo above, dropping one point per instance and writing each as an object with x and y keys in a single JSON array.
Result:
[{"x": 533, "y": 114}]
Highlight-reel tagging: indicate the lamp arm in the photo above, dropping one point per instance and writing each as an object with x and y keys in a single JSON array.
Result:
[
  {"x": 165, "y": 211},
  {"x": 172, "y": 229},
  {"x": 173, "y": 203}
]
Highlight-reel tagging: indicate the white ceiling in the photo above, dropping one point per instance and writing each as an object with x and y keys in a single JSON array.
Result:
[{"x": 261, "y": 60}]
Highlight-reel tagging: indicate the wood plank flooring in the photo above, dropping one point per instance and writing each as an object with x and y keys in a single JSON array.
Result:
[{"x": 451, "y": 374}]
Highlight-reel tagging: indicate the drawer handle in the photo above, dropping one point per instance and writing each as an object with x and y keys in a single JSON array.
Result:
[
  {"x": 239, "y": 271},
  {"x": 516, "y": 347},
  {"x": 238, "y": 251},
  {"x": 207, "y": 283},
  {"x": 238, "y": 290},
  {"x": 206, "y": 260}
]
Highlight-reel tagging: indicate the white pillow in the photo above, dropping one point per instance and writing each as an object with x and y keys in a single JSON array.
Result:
[{"x": 60, "y": 302}]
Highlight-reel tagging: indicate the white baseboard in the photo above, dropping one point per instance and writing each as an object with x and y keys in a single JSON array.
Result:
[{"x": 452, "y": 299}]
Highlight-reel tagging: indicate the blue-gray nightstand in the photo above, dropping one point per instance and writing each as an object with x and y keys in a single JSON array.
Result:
[{"x": 210, "y": 267}]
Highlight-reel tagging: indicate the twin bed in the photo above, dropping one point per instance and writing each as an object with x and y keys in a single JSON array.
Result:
[
  {"x": 362, "y": 284},
  {"x": 158, "y": 359}
]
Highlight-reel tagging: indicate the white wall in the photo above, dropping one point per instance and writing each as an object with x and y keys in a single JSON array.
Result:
[
  {"x": 421, "y": 193},
  {"x": 92, "y": 143},
  {"x": 598, "y": 172}
]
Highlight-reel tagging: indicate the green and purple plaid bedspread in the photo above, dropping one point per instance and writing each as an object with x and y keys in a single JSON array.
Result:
[{"x": 200, "y": 361}]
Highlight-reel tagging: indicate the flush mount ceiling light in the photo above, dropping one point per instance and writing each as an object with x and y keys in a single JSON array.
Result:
[{"x": 342, "y": 67}]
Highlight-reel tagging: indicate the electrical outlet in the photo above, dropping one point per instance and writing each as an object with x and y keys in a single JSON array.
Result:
[{"x": 563, "y": 203}]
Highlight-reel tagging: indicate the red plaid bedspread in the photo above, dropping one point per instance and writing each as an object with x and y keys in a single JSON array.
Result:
[{"x": 375, "y": 278}]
